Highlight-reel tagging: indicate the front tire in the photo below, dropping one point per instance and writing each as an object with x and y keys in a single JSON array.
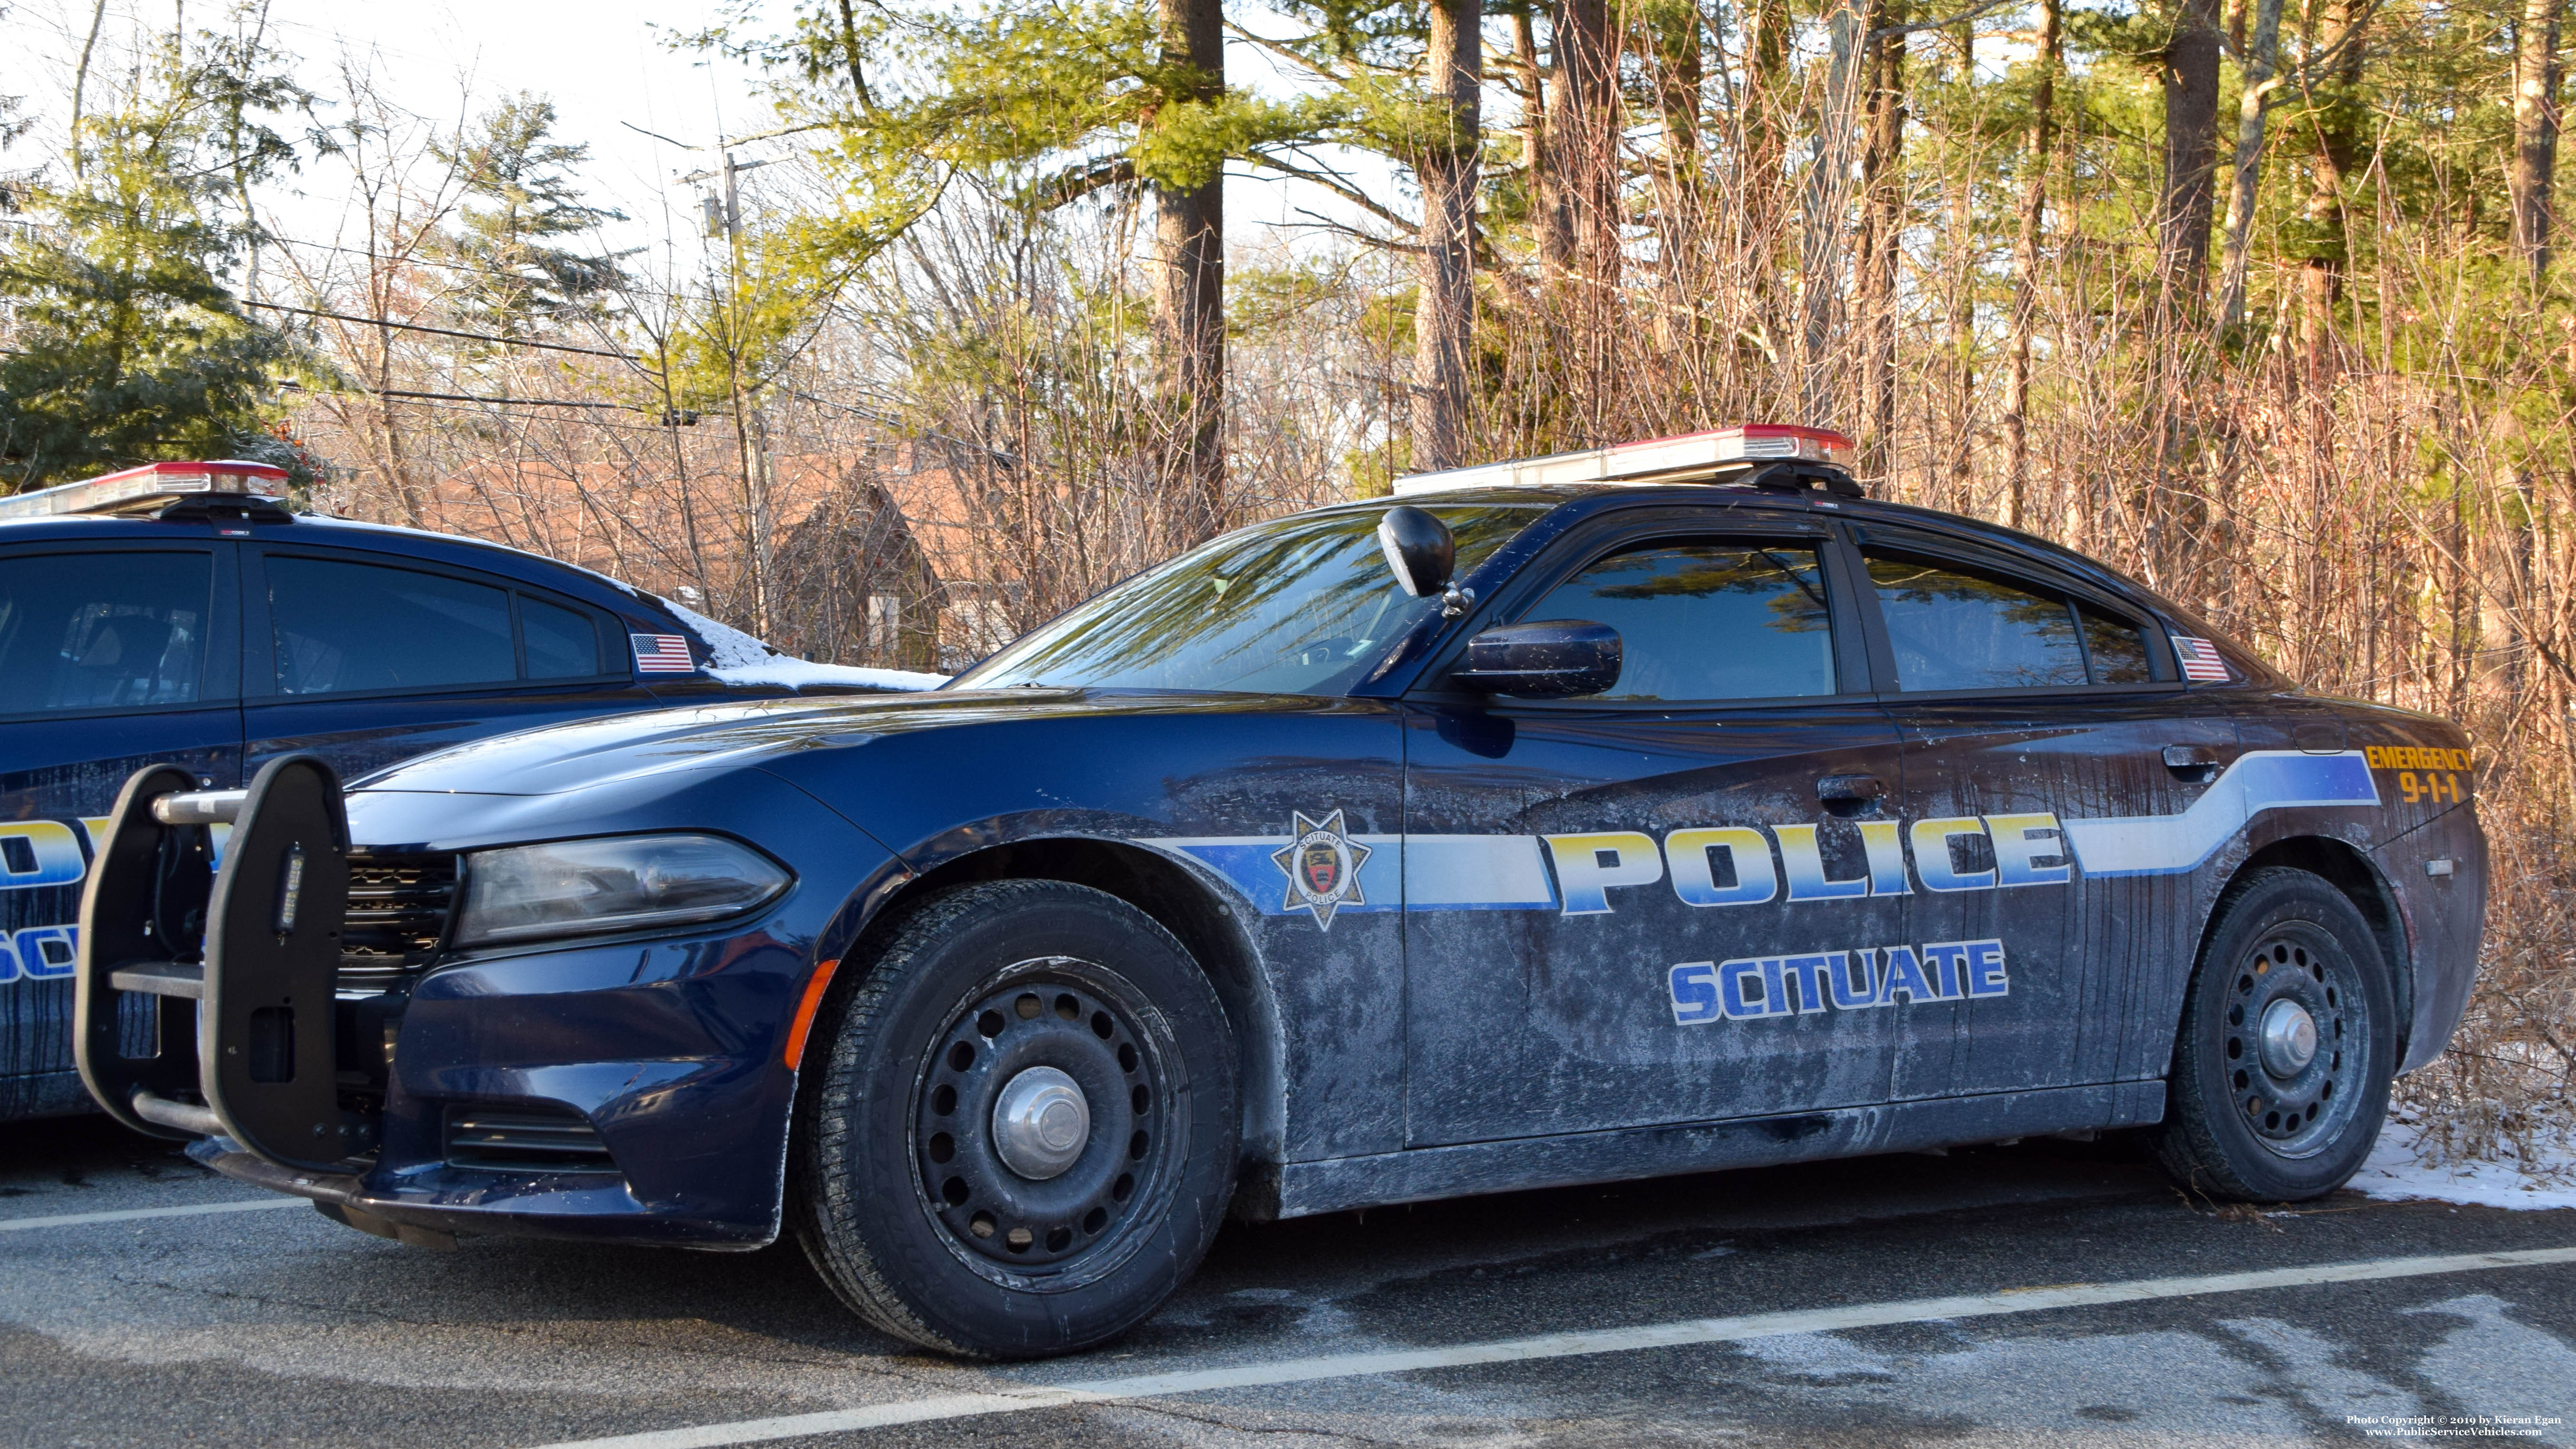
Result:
[
  {"x": 1023, "y": 1136},
  {"x": 2288, "y": 1041}
]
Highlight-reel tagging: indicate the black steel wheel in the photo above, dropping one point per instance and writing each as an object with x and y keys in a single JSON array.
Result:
[
  {"x": 2287, "y": 1043},
  {"x": 1013, "y": 1212},
  {"x": 1023, "y": 1138}
]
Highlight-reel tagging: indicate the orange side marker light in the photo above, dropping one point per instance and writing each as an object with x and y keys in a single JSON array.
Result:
[{"x": 805, "y": 1009}]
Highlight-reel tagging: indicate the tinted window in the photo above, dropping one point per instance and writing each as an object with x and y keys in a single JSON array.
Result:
[
  {"x": 562, "y": 643},
  {"x": 104, "y": 631},
  {"x": 1707, "y": 620},
  {"x": 1956, "y": 630},
  {"x": 2117, "y": 650},
  {"x": 347, "y": 626},
  {"x": 1300, "y": 605}
]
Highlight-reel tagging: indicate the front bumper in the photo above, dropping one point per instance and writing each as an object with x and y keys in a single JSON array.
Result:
[
  {"x": 671, "y": 1052},
  {"x": 654, "y": 1067}
]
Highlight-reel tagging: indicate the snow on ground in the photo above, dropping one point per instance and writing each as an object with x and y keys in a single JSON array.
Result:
[
  {"x": 2396, "y": 1169},
  {"x": 738, "y": 658}
]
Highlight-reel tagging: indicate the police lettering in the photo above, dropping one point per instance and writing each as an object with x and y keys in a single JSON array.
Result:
[
  {"x": 1750, "y": 988},
  {"x": 1734, "y": 865}
]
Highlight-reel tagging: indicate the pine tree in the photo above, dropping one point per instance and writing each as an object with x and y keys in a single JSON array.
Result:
[
  {"x": 130, "y": 344},
  {"x": 1073, "y": 100},
  {"x": 515, "y": 276}
]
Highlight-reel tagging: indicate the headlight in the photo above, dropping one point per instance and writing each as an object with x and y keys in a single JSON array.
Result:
[{"x": 620, "y": 883}]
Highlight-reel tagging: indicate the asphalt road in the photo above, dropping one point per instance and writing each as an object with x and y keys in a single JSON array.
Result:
[{"x": 1780, "y": 1306}]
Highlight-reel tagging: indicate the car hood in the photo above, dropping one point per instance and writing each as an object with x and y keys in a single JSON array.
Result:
[{"x": 580, "y": 755}]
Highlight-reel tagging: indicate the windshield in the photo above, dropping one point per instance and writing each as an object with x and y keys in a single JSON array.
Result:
[{"x": 1300, "y": 605}]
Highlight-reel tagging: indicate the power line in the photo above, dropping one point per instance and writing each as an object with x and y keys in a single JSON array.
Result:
[
  {"x": 428, "y": 261},
  {"x": 443, "y": 331},
  {"x": 516, "y": 402}
]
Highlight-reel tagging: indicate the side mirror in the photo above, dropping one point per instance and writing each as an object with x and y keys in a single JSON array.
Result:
[
  {"x": 1551, "y": 659},
  {"x": 1423, "y": 554}
]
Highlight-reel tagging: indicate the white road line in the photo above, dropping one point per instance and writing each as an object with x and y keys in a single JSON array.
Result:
[
  {"x": 1557, "y": 1345},
  {"x": 127, "y": 1215}
]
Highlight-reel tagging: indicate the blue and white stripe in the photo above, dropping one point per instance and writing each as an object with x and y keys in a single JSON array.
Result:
[
  {"x": 2256, "y": 782},
  {"x": 1510, "y": 872}
]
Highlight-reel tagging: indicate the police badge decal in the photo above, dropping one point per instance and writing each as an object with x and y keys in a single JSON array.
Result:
[{"x": 1323, "y": 867}]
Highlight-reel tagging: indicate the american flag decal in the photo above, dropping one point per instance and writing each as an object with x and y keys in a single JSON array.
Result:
[
  {"x": 2200, "y": 659},
  {"x": 665, "y": 654}
]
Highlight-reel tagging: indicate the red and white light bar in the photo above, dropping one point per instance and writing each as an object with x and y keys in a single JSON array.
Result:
[
  {"x": 1689, "y": 458},
  {"x": 140, "y": 490}
]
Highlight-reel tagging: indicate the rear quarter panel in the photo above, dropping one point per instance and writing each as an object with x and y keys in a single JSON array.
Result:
[
  {"x": 2433, "y": 857},
  {"x": 2424, "y": 770}
]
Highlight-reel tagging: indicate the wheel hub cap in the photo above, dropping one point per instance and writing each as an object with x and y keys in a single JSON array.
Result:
[
  {"x": 1041, "y": 1122},
  {"x": 2289, "y": 1038}
]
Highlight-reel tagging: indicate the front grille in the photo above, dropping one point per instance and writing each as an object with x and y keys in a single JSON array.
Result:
[
  {"x": 398, "y": 907},
  {"x": 524, "y": 1137}
]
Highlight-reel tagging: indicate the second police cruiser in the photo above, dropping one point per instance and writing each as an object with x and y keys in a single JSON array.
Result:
[
  {"x": 179, "y": 613},
  {"x": 1652, "y": 809}
]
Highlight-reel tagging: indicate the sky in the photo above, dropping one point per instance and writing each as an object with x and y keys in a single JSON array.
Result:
[{"x": 607, "y": 66}]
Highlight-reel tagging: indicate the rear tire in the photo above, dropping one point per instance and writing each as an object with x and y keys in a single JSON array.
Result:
[
  {"x": 2254, "y": 1115},
  {"x": 904, "y": 1200}
]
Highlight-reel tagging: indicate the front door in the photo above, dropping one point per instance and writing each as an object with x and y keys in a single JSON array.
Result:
[{"x": 1635, "y": 907}]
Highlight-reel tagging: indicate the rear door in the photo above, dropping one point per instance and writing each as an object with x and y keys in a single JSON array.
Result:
[
  {"x": 369, "y": 659},
  {"x": 2030, "y": 703},
  {"x": 1635, "y": 908},
  {"x": 112, "y": 657}
]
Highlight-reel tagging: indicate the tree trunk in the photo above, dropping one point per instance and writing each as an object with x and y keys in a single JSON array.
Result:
[
  {"x": 1962, "y": 339},
  {"x": 1766, "y": 84},
  {"x": 1445, "y": 314},
  {"x": 2189, "y": 197},
  {"x": 2535, "y": 131},
  {"x": 2338, "y": 120},
  {"x": 1547, "y": 210},
  {"x": 2025, "y": 304},
  {"x": 2253, "y": 112},
  {"x": 1583, "y": 161},
  {"x": 1583, "y": 136},
  {"x": 1820, "y": 279},
  {"x": 1681, "y": 203},
  {"x": 1679, "y": 74},
  {"x": 1189, "y": 297},
  {"x": 1533, "y": 78},
  {"x": 80, "y": 83},
  {"x": 1882, "y": 226}
]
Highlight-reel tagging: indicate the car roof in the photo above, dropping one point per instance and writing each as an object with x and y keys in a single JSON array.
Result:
[{"x": 516, "y": 564}]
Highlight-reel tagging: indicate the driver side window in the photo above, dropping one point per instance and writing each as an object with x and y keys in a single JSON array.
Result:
[{"x": 1707, "y": 619}]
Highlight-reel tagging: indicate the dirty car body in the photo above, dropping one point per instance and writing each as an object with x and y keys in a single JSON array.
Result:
[{"x": 1895, "y": 830}]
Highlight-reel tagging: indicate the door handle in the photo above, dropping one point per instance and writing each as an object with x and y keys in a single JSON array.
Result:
[
  {"x": 2195, "y": 763},
  {"x": 1856, "y": 794}
]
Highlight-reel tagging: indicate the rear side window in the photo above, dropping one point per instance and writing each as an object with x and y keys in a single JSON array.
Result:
[
  {"x": 346, "y": 627},
  {"x": 561, "y": 643},
  {"x": 1952, "y": 629},
  {"x": 2115, "y": 649},
  {"x": 103, "y": 631},
  {"x": 1707, "y": 619}
]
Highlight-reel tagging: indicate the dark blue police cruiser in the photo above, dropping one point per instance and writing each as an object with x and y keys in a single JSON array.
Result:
[
  {"x": 177, "y": 613},
  {"x": 1646, "y": 810}
]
